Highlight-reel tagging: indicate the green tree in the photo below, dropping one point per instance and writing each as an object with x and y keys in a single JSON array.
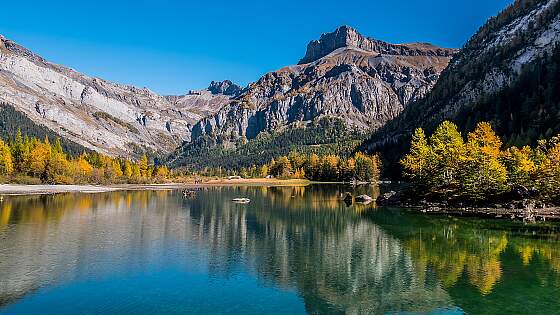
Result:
[
  {"x": 366, "y": 167},
  {"x": 448, "y": 148},
  {"x": 418, "y": 164}
]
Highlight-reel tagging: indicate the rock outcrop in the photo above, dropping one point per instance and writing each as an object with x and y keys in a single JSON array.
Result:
[
  {"x": 112, "y": 118},
  {"x": 346, "y": 36},
  {"x": 362, "y": 81}
]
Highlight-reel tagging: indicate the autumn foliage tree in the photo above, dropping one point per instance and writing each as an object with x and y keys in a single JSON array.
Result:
[
  {"x": 329, "y": 167},
  {"x": 30, "y": 160},
  {"x": 480, "y": 169}
]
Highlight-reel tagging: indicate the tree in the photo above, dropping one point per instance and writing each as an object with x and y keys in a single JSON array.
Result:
[
  {"x": 366, "y": 167},
  {"x": 418, "y": 164},
  {"x": 483, "y": 174},
  {"x": 520, "y": 166},
  {"x": 264, "y": 171},
  {"x": 40, "y": 154},
  {"x": 548, "y": 172},
  {"x": 448, "y": 148},
  {"x": 143, "y": 166},
  {"x": 85, "y": 169},
  {"x": 6, "y": 161},
  {"x": 136, "y": 171},
  {"x": 329, "y": 168},
  {"x": 313, "y": 165},
  {"x": 161, "y": 172},
  {"x": 127, "y": 169},
  {"x": 116, "y": 169},
  {"x": 282, "y": 168},
  {"x": 57, "y": 167},
  {"x": 17, "y": 151}
]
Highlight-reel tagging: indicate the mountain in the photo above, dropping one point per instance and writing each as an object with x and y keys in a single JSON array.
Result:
[
  {"x": 108, "y": 117},
  {"x": 507, "y": 73},
  {"x": 360, "y": 81}
]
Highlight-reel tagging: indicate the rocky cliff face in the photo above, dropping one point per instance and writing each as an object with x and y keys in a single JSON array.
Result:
[
  {"x": 491, "y": 62},
  {"x": 111, "y": 118},
  {"x": 364, "y": 82},
  {"x": 346, "y": 36}
]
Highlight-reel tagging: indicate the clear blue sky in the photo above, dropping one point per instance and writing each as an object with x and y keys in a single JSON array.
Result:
[{"x": 173, "y": 46}]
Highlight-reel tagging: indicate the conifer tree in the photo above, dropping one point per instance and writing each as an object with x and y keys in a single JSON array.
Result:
[
  {"x": 483, "y": 174},
  {"x": 418, "y": 164},
  {"x": 6, "y": 162},
  {"x": 520, "y": 166},
  {"x": 448, "y": 148},
  {"x": 143, "y": 166}
]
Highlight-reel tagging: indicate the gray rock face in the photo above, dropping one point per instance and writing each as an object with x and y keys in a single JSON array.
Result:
[
  {"x": 521, "y": 34},
  {"x": 108, "y": 117},
  {"x": 496, "y": 78},
  {"x": 346, "y": 36},
  {"x": 364, "y": 82},
  {"x": 224, "y": 87}
]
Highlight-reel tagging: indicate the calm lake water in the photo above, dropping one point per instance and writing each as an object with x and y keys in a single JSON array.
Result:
[{"x": 292, "y": 250}]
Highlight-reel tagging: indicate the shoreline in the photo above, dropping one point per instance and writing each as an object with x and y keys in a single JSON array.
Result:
[
  {"x": 525, "y": 215},
  {"x": 46, "y": 189}
]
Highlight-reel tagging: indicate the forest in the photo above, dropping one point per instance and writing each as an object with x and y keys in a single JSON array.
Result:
[
  {"x": 28, "y": 160},
  {"x": 446, "y": 167},
  {"x": 324, "y": 136},
  {"x": 12, "y": 120},
  {"x": 521, "y": 113},
  {"x": 327, "y": 167}
]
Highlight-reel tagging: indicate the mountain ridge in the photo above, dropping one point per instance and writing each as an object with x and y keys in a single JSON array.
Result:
[
  {"x": 364, "y": 89},
  {"x": 347, "y": 36},
  {"x": 112, "y": 118},
  {"x": 477, "y": 84}
]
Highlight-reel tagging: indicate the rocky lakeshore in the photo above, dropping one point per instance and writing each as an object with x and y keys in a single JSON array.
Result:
[{"x": 527, "y": 210}]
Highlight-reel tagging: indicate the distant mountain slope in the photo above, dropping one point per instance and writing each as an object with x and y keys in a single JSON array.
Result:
[
  {"x": 12, "y": 120},
  {"x": 111, "y": 118},
  {"x": 325, "y": 136},
  {"x": 361, "y": 81},
  {"x": 507, "y": 73}
]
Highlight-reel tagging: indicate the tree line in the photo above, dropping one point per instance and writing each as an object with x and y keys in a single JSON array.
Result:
[
  {"x": 25, "y": 159},
  {"x": 328, "y": 167},
  {"x": 324, "y": 136},
  {"x": 446, "y": 166}
]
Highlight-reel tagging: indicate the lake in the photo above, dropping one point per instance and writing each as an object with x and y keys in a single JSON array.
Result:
[{"x": 291, "y": 250}]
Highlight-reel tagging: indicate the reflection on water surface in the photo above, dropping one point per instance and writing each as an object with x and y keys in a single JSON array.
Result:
[{"x": 291, "y": 250}]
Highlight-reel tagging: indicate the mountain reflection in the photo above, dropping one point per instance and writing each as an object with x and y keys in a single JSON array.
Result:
[{"x": 354, "y": 259}]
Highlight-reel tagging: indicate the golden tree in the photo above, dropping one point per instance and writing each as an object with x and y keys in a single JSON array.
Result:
[
  {"x": 483, "y": 173},
  {"x": 6, "y": 161}
]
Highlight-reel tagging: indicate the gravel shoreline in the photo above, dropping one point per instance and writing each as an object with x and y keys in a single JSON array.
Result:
[
  {"x": 19, "y": 189},
  {"x": 14, "y": 189}
]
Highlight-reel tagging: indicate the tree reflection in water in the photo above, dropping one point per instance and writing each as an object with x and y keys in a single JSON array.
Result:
[{"x": 356, "y": 259}]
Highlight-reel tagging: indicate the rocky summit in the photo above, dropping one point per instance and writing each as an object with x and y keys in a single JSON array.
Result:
[
  {"x": 111, "y": 118},
  {"x": 346, "y": 36},
  {"x": 362, "y": 81}
]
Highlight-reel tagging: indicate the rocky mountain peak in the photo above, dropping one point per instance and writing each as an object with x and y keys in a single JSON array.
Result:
[
  {"x": 225, "y": 87},
  {"x": 346, "y": 36}
]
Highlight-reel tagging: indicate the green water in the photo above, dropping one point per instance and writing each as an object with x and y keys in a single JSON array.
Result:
[{"x": 292, "y": 250}]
